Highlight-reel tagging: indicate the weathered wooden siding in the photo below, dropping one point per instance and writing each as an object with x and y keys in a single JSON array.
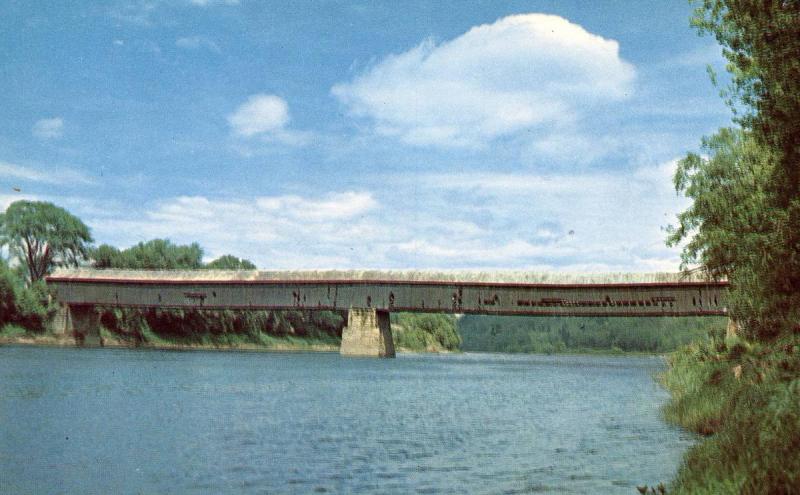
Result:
[{"x": 520, "y": 294}]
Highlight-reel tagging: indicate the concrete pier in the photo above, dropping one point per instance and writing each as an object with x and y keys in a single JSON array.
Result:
[
  {"x": 368, "y": 333},
  {"x": 82, "y": 321}
]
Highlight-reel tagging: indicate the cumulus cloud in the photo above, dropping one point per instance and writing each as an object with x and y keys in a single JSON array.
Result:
[
  {"x": 49, "y": 128},
  {"x": 267, "y": 117},
  {"x": 521, "y": 72},
  {"x": 260, "y": 114}
]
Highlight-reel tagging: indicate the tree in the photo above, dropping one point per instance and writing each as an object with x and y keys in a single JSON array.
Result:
[
  {"x": 230, "y": 262},
  {"x": 43, "y": 236},
  {"x": 731, "y": 228},
  {"x": 761, "y": 40},
  {"x": 745, "y": 220}
]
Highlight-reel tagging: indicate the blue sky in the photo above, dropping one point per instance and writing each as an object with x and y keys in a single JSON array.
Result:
[{"x": 515, "y": 135}]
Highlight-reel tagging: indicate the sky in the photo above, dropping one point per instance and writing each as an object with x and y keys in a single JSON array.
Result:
[{"x": 524, "y": 135}]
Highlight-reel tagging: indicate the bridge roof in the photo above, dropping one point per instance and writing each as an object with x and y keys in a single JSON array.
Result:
[{"x": 422, "y": 276}]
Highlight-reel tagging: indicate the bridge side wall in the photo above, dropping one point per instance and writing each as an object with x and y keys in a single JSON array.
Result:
[
  {"x": 368, "y": 333},
  {"x": 509, "y": 299}
]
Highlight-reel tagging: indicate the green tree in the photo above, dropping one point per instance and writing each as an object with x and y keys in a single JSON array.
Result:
[
  {"x": 157, "y": 254},
  {"x": 230, "y": 262},
  {"x": 745, "y": 219},
  {"x": 731, "y": 227},
  {"x": 8, "y": 305},
  {"x": 761, "y": 40},
  {"x": 42, "y": 236}
]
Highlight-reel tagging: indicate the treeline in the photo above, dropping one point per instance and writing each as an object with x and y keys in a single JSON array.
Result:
[
  {"x": 161, "y": 254},
  {"x": 579, "y": 334}
]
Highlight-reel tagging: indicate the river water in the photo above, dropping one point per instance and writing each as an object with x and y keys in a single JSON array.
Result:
[{"x": 128, "y": 421}]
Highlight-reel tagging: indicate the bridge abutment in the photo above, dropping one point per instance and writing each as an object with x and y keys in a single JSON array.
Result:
[
  {"x": 368, "y": 333},
  {"x": 81, "y": 321}
]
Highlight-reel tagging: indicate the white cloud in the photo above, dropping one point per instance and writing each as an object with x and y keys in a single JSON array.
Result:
[
  {"x": 522, "y": 72},
  {"x": 339, "y": 206},
  {"x": 587, "y": 221},
  {"x": 284, "y": 230},
  {"x": 53, "y": 176},
  {"x": 48, "y": 128},
  {"x": 267, "y": 117},
  {"x": 260, "y": 114},
  {"x": 197, "y": 43}
]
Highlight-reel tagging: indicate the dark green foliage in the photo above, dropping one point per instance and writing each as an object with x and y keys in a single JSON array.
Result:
[
  {"x": 157, "y": 254},
  {"x": 746, "y": 397},
  {"x": 761, "y": 40},
  {"x": 34, "y": 307},
  {"x": 28, "y": 307},
  {"x": 42, "y": 236},
  {"x": 745, "y": 224},
  {"x": 733, "y": 231},
  {"x": 8, "y": 304},
  {"x": 230, "y": 262},
  {"x": 554, "y": 334},
  {"x": 745, "y": 220}
]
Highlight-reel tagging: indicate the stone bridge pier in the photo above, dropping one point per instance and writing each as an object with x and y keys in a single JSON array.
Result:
[
  {"x": 81, "y": 321},
  {"x": 368, "y": 333}
]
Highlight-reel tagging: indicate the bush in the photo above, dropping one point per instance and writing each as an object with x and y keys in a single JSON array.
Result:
[
  {"x": 744, "y": 398},
  {"x": 8, "y": 306}
]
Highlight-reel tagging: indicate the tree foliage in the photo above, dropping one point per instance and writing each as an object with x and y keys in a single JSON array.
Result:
[
  {"x": 551, "y": 334},
  {"x": 42, "y": 236},
  {"x": 744, "y": 222},
  {"x": 28, "y": 307},
  {"x": 157, "y": 254},
  {"x": 761, "y": 41},
  {"x": 230, "y": 262}
]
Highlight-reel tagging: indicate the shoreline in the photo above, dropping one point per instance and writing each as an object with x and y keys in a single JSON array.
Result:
[
  {"x": 50, "y": 340},
  {"x": 294, "y": 345}
]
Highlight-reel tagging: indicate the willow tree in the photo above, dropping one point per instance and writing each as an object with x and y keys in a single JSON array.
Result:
[{"x": 42, "y": 236}]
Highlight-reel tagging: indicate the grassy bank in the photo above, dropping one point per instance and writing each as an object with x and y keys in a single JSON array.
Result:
[{"x": 744, "y": 398}]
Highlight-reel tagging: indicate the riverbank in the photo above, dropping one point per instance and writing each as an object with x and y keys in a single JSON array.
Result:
[
  {"x": 13, "y": 335},
  {"x": 744, "y": 399}
]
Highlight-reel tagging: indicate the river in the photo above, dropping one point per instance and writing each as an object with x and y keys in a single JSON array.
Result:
[{"x": 128, "y": 421}]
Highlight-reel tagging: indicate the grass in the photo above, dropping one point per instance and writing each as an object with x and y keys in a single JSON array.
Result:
[
  {"x": 10, "y": 330},
  {"x": 744, "y": 398}
]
